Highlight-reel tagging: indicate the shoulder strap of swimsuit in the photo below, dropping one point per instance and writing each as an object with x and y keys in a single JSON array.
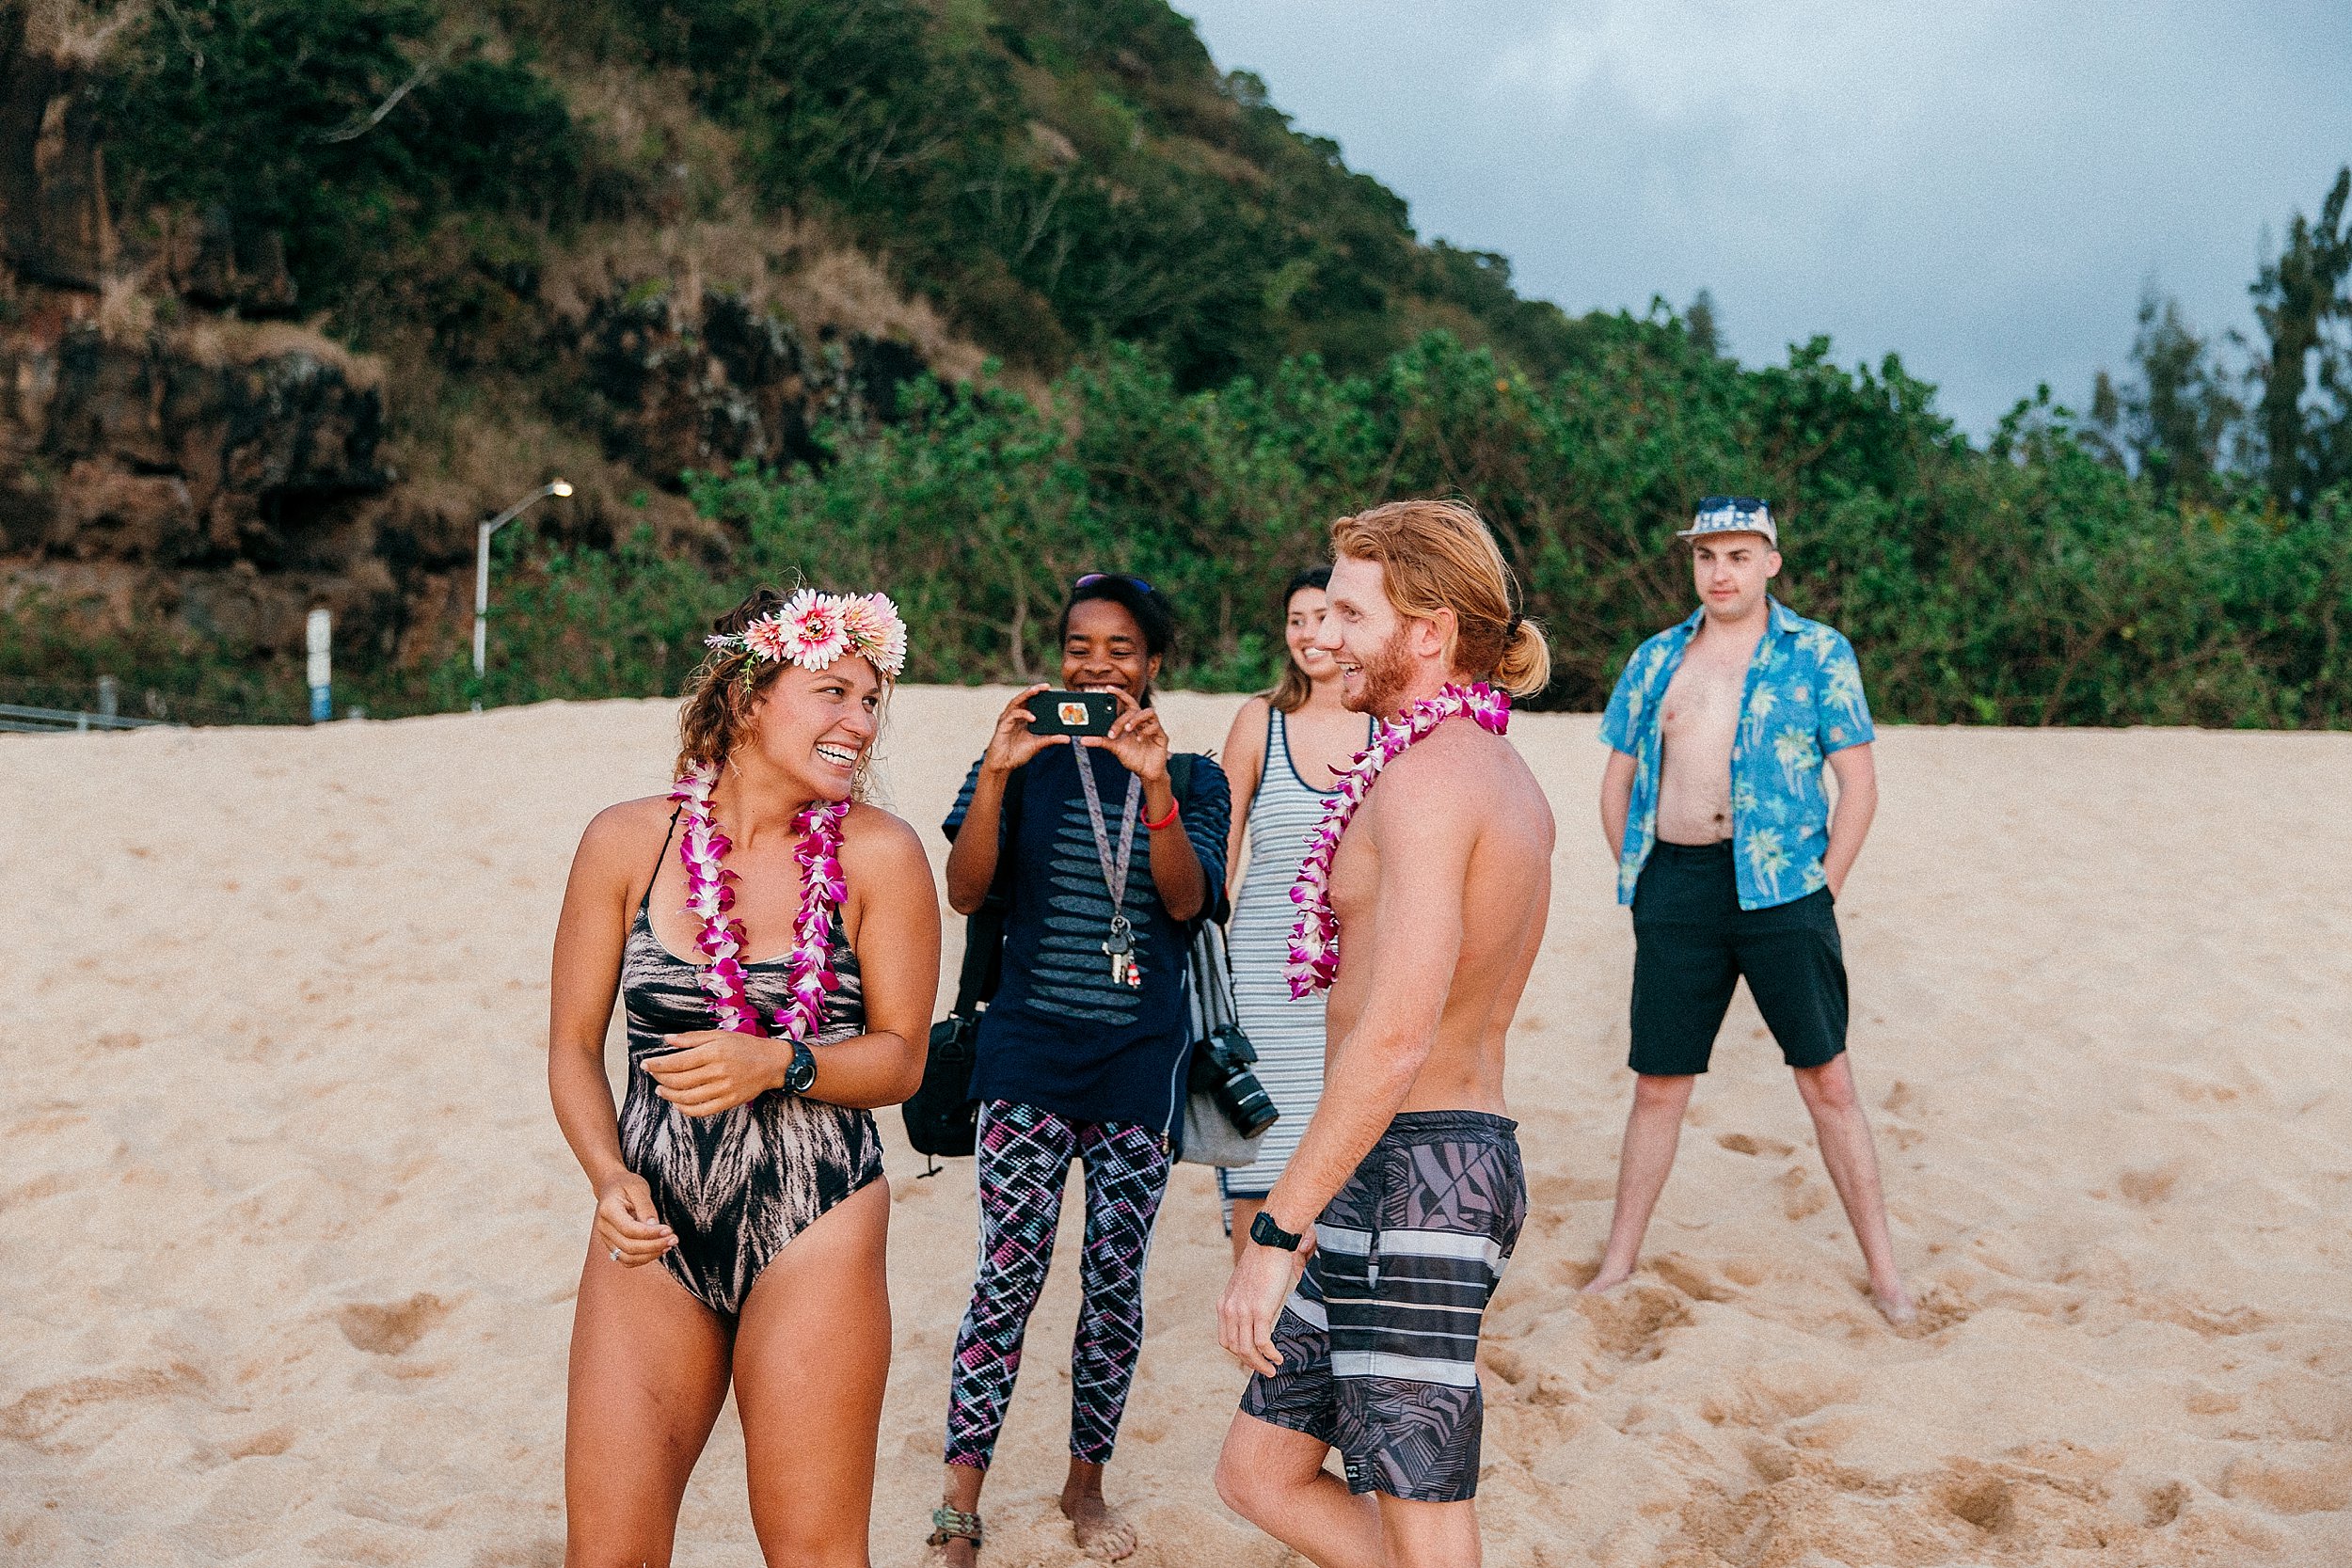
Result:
[
  {"x": 645, "y": 902},
  {"x": 1277, "y": 730}
]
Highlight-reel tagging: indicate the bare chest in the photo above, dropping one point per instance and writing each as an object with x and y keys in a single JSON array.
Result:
[{"x": 1700, "y": 715}]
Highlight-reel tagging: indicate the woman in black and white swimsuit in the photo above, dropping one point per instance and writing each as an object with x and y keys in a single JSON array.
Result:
[{"x": 743, "y": 1162}]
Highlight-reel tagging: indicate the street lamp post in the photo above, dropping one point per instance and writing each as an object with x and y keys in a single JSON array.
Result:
[{"x": 482, "y": 566}]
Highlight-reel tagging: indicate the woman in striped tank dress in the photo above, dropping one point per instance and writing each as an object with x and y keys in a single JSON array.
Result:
[{"x": 1283, "y": 756}]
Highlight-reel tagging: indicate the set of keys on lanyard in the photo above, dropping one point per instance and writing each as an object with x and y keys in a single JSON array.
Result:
[{"x": 1120, "y": 948}]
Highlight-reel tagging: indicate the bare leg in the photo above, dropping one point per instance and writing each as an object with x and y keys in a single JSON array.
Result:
[
  {"x": 1844, "y": 1135},
  {"x": 1429, "y": 1535},
  {"x": 963, "y": 1494},
  {"x": 1651, "y": 1132},
  {"x": 811, "y": 1358},
  {"x": 648, "y": 1374},
  {"x": 1244, "y": 1214},
  {"x": 1274, "y": 1477},
  {"x": 1102, "y": 1530}
]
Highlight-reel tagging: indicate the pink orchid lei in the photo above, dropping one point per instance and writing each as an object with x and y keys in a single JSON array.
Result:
[
  {"x": 1314, "y": 955},
  {"x": 702, "y": 848}
]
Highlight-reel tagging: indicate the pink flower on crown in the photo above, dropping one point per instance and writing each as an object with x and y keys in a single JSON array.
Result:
[
  {"x": 814, "y": 635},
  {"x": 876, "y": 631},
  {"x": 768, "y": 637}
]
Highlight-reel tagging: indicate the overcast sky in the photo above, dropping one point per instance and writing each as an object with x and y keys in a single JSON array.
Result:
[{"x": 1980, "y": 185}]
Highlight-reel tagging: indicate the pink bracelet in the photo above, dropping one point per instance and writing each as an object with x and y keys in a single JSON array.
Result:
[{"x": 1173, "y": 806}]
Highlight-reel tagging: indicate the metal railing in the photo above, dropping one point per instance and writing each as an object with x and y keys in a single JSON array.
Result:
[
  {"x": 47, "y": 706},
  {"x": 16, "y": 717}
]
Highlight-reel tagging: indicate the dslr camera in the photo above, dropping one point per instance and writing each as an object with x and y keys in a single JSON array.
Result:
[{"x": 1221, "y": 1069}]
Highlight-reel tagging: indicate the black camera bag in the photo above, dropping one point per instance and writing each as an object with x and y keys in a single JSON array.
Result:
[{"x": 941, "y": 1118}]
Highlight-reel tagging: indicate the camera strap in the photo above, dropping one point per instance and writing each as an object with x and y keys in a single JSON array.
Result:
[{"x": 1120, "y": 948}]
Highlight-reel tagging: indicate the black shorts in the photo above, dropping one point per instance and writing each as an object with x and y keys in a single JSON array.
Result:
[
  {"x": 1692, "y": 943},
  {"x": 1379, "y": 1343}
]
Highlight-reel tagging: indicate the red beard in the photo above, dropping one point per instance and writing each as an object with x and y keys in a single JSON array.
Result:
[{"x": 1386, "y": 674}]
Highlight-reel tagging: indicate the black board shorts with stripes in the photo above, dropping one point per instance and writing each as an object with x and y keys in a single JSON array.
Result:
[{"x": 1379, "y": 1341}]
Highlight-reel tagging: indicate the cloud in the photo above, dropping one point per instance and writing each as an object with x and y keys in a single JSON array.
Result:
[{"x": 1982, "y": 186}]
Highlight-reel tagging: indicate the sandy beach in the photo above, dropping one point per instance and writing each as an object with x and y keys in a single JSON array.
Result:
[{"x": 290, "y": 1238}]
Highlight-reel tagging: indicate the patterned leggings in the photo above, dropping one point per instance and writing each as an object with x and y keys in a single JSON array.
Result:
[{"x": 1025, "y": 1154}]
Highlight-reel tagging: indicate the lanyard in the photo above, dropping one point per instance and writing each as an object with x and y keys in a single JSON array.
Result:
[{"x": 1114, "y": 872}]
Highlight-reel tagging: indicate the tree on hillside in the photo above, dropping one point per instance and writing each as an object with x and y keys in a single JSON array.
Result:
[
  {"x": 2300, "y": 300},
  {"x": 2172, "y": 423}
]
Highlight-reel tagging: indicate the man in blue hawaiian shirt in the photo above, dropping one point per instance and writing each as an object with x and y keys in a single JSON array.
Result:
[{"x": 1731, "y": 855}]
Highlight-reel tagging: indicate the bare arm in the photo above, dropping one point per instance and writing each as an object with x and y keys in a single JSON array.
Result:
[
  {"x": 972, "y": 859},
  {"x": 585, "y": 979},
  {"x": 1616, "y": 799},
  {"x": 586, "y": 975},
  {"x": 896, "y": 938},
  {"x": 1139, "y": 741},
  {"x": 1425, "y": 838},
  {"x": 1245, "y": 760},
  {"x": 1849, "y": 821}
]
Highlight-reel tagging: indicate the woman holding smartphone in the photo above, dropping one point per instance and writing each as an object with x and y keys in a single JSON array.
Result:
[{"x": 1104, "y": 847}]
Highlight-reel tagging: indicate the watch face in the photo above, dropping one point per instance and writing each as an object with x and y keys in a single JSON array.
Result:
[
  {"x": 1263, "y": 1231},
  {"x": 802, "y": 1072}
]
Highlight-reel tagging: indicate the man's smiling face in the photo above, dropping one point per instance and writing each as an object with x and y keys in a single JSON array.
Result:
[{"x": 1366, "y": 636}]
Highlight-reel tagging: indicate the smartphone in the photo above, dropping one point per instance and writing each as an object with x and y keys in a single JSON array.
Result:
[{"x": 1072, "y": 712}]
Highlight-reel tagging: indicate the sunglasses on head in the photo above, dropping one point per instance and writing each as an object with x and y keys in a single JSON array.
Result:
[{"x": 1093, "y": 577}]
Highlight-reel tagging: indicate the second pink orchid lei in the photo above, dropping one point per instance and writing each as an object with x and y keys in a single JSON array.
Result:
[
  {"x": 710, "y": 898},
  {"x": 1315, "y": 948}
]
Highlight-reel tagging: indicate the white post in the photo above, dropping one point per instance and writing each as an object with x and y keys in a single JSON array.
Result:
[
  {"x": 482, "y": 596},
  {"x": 482, "y": 571},
  {"x": 319, "y": 635}
]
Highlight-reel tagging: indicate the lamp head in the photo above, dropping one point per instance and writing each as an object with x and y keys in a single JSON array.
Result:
[{"x": 559, "y": 487}]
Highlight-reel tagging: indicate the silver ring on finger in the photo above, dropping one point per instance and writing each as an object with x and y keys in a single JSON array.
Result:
[{"x": 616, "y": 1254}]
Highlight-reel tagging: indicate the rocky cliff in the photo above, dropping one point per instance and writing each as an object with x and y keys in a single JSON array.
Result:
[{"x": 177, "y": 448}]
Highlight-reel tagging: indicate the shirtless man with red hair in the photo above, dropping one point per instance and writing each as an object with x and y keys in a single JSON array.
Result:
[{"x": 1359, "y": 1302}]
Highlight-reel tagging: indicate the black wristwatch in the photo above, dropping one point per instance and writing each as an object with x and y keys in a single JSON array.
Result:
[
  {"x": 801, "y": 1075},
  {"x": 1263, "y": 1231}
]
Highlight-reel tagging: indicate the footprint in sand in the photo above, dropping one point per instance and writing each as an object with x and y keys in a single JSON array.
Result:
[
  {"x": 1632, "y": 1323},
  {"x": 2165, "y": 1504},
  {"x": 1800, "y": 1200},
  {"x": 1984, "y": 1501},
  {"x": 389, "y": 1328},
  {"x": 1745, "y": 1143},
  {"x": 2322, "y": 1486}
]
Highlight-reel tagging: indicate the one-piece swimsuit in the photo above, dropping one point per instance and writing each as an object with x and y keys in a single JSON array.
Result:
[{"x": 738, "y": 1186}]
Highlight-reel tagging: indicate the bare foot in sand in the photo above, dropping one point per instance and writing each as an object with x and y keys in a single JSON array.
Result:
[
  {"x": 1607, "y": 1280},
  {"x": 1895, "y": 1305},
  {"x": 1102, "y": 1533},
  {"x": 956, "y": 1552}
]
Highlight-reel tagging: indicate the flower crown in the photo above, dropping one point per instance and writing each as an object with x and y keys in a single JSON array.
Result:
[{"x": 813, "y": 629}]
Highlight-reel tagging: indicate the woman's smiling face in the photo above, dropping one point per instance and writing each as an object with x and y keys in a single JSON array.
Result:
[
  {"x": 1105, "y": 651},
  {"x": 816, "y": 726},
  {"x": 1300, "y": 626}
]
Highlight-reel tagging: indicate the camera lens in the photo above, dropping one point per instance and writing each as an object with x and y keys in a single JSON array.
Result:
[{"x": 1243, "y": 1101}]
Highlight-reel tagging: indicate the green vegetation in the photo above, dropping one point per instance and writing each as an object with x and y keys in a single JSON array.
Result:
[
  {"x": 1243, "y": 338},
  {"x": 1058, "y": 174},
  {"x": 2029, "y": 584}
]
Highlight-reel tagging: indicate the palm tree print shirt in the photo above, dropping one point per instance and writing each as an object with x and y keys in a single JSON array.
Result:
[{"x": 1803, "y": 701}]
